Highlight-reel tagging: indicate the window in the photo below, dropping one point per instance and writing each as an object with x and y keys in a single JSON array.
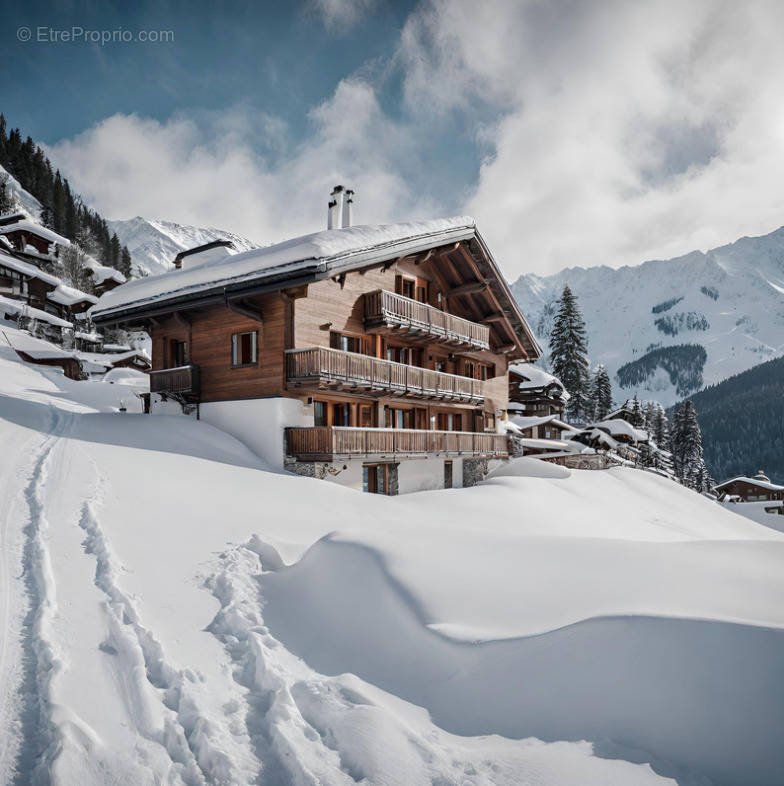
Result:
[
  {"x": 421, "y": 293},
  {"x": 439, "y": 364},
  {"x": 407, "y": 355},
  {"x": 179, "y": 353},
  {"x": 244, "y": 349},
  {"x": 447, "y": 421},
  {"x": 366, "y": 415},
  {"x": 470, "y": 369},
  {"x": 361, "y": 345},
  {"x": 483, "y": 372},
  {"x": 319, "y": 413}
]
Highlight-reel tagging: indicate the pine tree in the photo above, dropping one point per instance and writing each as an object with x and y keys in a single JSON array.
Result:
[
  {"x": 687, "y": 458},
  {"x": 569, "y": 354},
  {"x": 637, "y": 416},
  {"x": 114, "y": 251},
  {"x": 601, "y": 394},
  {"x": 125, "y": 262}
]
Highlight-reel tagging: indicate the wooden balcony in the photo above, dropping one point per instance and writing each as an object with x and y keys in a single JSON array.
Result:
[
  {"x": 182, "y": 381},
  {"x": 325, "y": 443},
  {"x": 390, "y": 313},
  {"x": 322, "y": 368}
]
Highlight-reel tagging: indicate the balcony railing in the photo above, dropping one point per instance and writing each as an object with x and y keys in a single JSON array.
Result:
[
  {"x": 399, "y": 314},
  {"x": 183, "y": 380},
  {"x": 322, "y": 443},
  {"x": 333, "y": 368}
]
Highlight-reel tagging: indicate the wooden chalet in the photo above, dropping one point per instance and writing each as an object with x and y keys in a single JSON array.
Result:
[
  {"x": 535, "y": 393},
  {"x": 364, "y": 346},
  {"x": 756, "y": 489},
  {"x": 30, "y": 240}
]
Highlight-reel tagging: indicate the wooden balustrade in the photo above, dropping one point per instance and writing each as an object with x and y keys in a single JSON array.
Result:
[
  {"x": 183, "y": 380},
  {"x": 327, "y": 442},
  {"x": 333, "y": 368},
  {"x": 400, "y": 314}
]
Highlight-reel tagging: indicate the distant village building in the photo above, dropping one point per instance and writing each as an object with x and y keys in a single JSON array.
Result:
[
  {"x": 373, "y": 356},
  {"x": 757, "y": 489},
  {"x": 37, "y": 300},
  {"x": 533, "y": 392},
  {"x": 31, "y": 241}
]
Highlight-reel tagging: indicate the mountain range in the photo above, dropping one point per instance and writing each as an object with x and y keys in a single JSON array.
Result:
[
  {"x": 154, "y": 243},
  {"x": 667, "y": 328}
]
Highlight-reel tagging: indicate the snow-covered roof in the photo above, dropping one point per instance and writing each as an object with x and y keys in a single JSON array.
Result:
[
  {"x": 69, "y": 296},
  {"x": 27, "y": 225},
  {"x": 536, "y": 377},
  {"x": 102, "y": 273},
  {"x": 313, "y": 256},
  {"x": 618, "y": 427},
  {"x": 108, "y": 359},
  {"x": 529, "y": 421},
  {"x": 26, "y": 269},
  {"x": 116, "y": 348},
  {"x": 329, "y": 249},
  {"x": 547, "y": 444},
  {"x": 753, "y": 481},
  {"x": 95, "y": 338},
  {"x": 9, "y": 306},
  {"x": 36, "y": 348}
]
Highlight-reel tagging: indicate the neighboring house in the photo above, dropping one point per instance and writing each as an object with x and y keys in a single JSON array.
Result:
[
  {"x": 756, "y": 489},
  {"x": 538, "y": 436},
  {"x": 30, "y": 240},
  {"x": 104, "y": 278},
  {"x": 535, "y": 393},
  {"x": 98, "y": 363},
  {"x": 42, "y": 353},
  {"x": 69, "y": 302},
  {"x": 24, "y": 281},
  {"x": 367, "y": 346}
]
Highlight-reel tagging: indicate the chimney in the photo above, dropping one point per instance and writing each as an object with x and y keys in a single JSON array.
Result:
[
  {"x": 335, "y": 207},
  {"x": 348, "y": 203}
]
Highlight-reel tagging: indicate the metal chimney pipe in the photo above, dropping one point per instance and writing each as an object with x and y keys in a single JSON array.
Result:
[
  {"x": 348, "y": 203},
  {"x": 335, "y": 208}
]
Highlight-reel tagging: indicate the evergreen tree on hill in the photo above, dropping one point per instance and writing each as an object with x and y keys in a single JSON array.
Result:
[
  {"x": 601, "y": 394},
  {"x": 686, "y": 438},
  {"x": 61, "y": 209},
  {"x": 569, "y": 354}
]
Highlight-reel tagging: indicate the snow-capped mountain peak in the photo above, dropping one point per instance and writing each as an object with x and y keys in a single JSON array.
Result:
[
  {"x": 154, "y": 243},
  {"x": 666, "y": 328}
]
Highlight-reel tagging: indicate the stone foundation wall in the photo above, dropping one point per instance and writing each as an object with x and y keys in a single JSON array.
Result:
[{"x": 474, "y": 470}]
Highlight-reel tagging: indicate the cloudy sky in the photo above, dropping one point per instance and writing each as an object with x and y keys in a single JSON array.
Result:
[{"x": 576, "y": 133}]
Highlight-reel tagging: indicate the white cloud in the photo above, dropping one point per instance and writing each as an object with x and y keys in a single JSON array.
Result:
[
  {"x": 205, "y": 170},
  {"x": 339, "y": 16},
  {"x": 626, "y": 130},
  {"x": 619, "y": 132}
]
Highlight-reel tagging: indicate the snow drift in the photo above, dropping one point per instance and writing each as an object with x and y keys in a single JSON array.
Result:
[{"x": 173, "y": 612}]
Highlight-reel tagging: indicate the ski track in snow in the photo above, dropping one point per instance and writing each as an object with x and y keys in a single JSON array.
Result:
[
  {"x": 37, "y": 740},
  {"x": 188, "y": 736}
]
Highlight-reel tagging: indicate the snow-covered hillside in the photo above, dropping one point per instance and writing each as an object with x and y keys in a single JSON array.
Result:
[
  {"x": 730, "y": 301},
  {"x": 26, "y": 200},
  {"x": 172, "y": 612},
  {"x": 154, "y": 244}
]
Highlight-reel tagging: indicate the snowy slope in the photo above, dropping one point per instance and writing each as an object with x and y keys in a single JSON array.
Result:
[
  {"x": 175, "y": 613},
  {"x": 154, "y": 244},
  {"x": 28, "y": 202},
  {"x": 729, "y": 301}
]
